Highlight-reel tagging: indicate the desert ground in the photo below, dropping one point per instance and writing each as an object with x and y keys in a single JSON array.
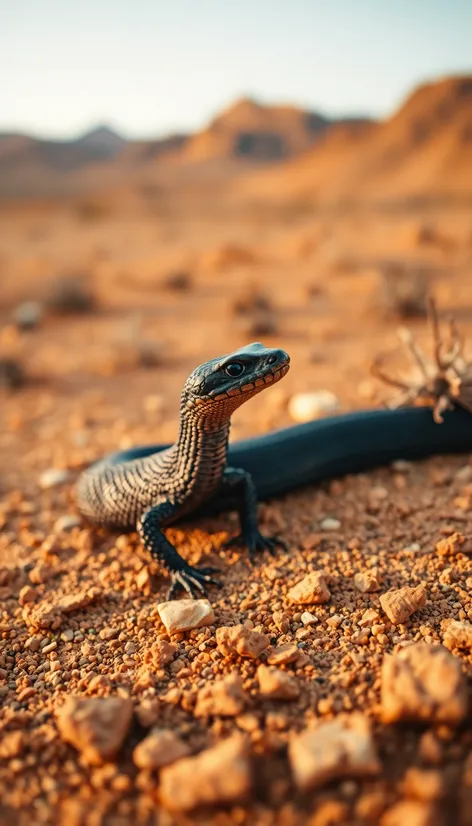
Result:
[{"x": 129, "y": 295}]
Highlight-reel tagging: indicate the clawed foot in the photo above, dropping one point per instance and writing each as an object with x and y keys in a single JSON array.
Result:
[
  {"x": 192, "y": 580},
  {"x": 256, "y": 543}
]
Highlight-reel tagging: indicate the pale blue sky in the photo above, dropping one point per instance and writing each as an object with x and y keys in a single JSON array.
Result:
[{"x": 149, "y": 67}]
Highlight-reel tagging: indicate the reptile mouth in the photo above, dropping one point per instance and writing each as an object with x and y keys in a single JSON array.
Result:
[{"x": 272, "y": 374}]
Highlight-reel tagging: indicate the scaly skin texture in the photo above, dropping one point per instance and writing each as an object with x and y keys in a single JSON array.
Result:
[{"x": 149, "y": 493}]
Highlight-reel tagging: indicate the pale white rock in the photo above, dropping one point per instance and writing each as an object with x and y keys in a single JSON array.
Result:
[
  {"x": 309, "y": 619},
  {"x": 329, "y": 523},
  {"x": 53, "y": 477},
  {"x": 28, "y": 315},
  {"x": 339, "y": 748},
  {"x": 218, "y": 775},
  {"x": 185, "y": 614},
  {"x": 67, "y": 523},
  {"x": 304, "y": 407}
]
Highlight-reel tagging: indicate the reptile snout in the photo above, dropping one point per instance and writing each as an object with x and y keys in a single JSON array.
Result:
[{"x": 278, "y": 358}]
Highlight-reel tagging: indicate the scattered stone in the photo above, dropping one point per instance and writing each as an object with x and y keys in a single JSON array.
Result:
[
  {"x": 67, "y": 523},
  {"x": 450, "y": 545},
  {"x": 163, "y": 653},
  {"x": 458, "y": 635},
  {"x": 96, "y": 726},
  {"x": 340, "y": 748},
  {"x": 304, "y": 407},
  {"x": 367, "y": 581},
  {"x": 330, "y": 524},
  {"x": 312, "y": 589},
  {"x": 28, "y": 315},
  {"x": 410, "y": 813},
  {"x": 221, "y": 774},
  {"x": 309, "y": 619},
  {"x": 160, "y": 748},
  {"x": 277, "y": 684},
  {"x": 53, "y": 477},
  {"x": 223, "y": 698},
  {"x": 27, "y": 594},
  {"x": 43, "y": 616},
  {"x": 399, "y": 605},
  {"x": 241, "y": 640},
  {"x": 185, "y": 614},
  {"x": 424, "y": 784},
  {"x": 284, "y": 654},
  {"x": 423, "y": 682},
  {"x": 143, "y": 578},
  {"x": 75, "y": 602},
  {"x": 369, "y": 618}
]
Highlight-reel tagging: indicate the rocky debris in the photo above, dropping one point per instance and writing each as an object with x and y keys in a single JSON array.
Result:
[
  {"x": 223, "y": 698},
  {"x": 96, "y": 726},
  {"x": 339, "y": 748},
  {"x": 241, "y": 640},
  {"x": 277, "y": 684},
  {"x": 47, "y": 615},
  {"x": 312, "y": 589},
  {"x": 423, "y": 682},
  {"x": 367, "y": 581},
  {"x": 160, "y": 748},
  {"x": 304, "y": 407},
  {"x": 283, "y": 654},
  {"x": 424, "y": 784},
  {"x": 53, "y": 477},
  {"x": 458, "y": 635},
  {"x": 450, "y": 545},
  {"x": 410, "y": 813},
  {"x": 75, "y": 602},
  {"x": 399, "y": 605},
  {"x": 163, "y": 653},
  {"x": 148, "y": 712},
  {"x": 42, "y": 616},
  {"x": 185, "y": 614},
  {"x": 219, "y": 775},
  {"x": 329, "y": 523},
  {"x": 28, "y": 315}
]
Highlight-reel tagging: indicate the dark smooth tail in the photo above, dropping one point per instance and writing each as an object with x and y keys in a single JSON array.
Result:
[{"x": 332, "y": 447}]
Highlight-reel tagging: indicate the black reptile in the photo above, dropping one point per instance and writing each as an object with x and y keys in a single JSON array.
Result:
[{"x": 150, "y": 487}]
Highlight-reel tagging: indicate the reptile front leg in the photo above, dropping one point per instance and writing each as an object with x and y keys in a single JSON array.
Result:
[
  {"x": 182, "y": 575},
  {"x": 238, "y": 484}
]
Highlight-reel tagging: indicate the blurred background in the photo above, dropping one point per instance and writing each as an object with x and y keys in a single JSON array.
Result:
[{"x": 177, "y": 179}]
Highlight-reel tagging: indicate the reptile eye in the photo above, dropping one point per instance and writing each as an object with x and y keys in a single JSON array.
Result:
[{"x": 234, "y": 369}]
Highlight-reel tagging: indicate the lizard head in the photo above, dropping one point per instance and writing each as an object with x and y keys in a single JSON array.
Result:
[{"x": 218, "y": 387}]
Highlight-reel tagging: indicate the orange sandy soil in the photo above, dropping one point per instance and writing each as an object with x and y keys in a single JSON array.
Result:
[{"x": 88, "y": 395}]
